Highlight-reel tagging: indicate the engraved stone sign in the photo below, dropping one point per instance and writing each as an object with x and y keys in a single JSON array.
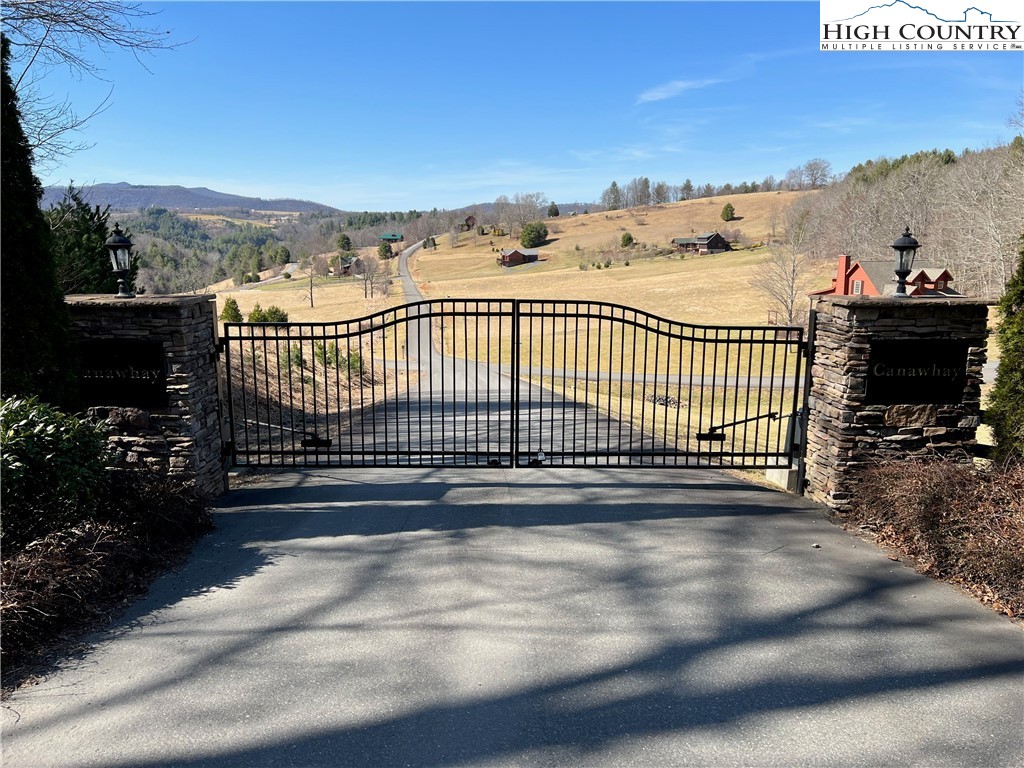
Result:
[
  {"x": 123, "y": 372},
  {"x": 917, "y": 371}
]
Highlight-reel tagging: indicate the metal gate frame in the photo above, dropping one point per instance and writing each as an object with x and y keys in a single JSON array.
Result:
[{"x": 513, "y": 382}]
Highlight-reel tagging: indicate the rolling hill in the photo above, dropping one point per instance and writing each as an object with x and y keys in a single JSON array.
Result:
[{"x": 131, "y": 197}]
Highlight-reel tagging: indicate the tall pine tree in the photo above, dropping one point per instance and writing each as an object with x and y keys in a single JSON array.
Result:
[
  {"x": 34, "y": 341},
  {"x": 1006, "y": 412}
]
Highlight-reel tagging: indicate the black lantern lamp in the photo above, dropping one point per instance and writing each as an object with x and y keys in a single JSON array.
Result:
[
  {"x": 120, "y": 248},
  {"x": 905, "y": 247}
]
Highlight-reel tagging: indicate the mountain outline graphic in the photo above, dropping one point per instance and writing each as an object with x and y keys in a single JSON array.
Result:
[{"x": 925, "y": 10}]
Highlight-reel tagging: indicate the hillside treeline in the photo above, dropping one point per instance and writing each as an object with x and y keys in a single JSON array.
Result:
[
  {"x": 967, "y": 211},
  {"x": 179, "y": 255},
  {"x": 640, "y": 192}
]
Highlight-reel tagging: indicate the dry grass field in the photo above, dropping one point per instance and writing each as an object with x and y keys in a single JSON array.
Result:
[
  {"x": 333, "y": 298},
  {"x": 216, "y": 219},
  {"x": 709, "y": 289}
]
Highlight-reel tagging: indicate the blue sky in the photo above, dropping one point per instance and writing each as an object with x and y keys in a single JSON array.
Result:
[{"x": 393, "y": 106}]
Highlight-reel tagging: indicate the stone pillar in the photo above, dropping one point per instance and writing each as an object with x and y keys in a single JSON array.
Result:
[
  {"x": 149, "y": 373},
  {"x": 890, "y": 378}
]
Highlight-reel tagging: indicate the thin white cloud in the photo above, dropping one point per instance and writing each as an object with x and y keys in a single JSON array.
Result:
[
  {"x": 844, "y": 124},
  {"x": 672, "y": 89}
]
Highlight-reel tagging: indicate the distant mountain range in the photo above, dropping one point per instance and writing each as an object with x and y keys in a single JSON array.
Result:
[{"x": 129, "y": 197}]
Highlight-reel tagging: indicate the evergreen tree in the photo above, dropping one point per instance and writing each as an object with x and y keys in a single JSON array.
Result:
[
  {"x": 611, "y": 198},
  {"x": 553, "y": 211},
  {"x": 384, "y": 251},
  {"x": 37, "y": 353},
  {"x": 344, "y": 243},
  {"x": 1006, "y": 412},
  {"x": 274, "y": 314},
  {"x": 728, "y": 212},
  {"x": 231, "y": 313},
  {"x": 81, "y": 259},
  {"x": 533, "y": 234},
  {"x": 257, "y": 314}
]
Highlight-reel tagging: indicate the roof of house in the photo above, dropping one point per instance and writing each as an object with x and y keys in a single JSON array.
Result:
[
  {"x": 390, "y": 236},
  {"x": 883, "y": 277},
  {"x": 523, "y": 251},
  {"x": 701, "y": 238}
]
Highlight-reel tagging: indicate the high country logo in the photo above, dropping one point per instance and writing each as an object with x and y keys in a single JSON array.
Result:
[{"x": 944, "y": 25}]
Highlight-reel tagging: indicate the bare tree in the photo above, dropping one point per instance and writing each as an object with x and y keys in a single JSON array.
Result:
[
  {"x": 783, "y": 276},
  {"x": 1016, "y": 120},
  {"x": 817, "y": 172},
  {"x": 773, "y": 220},
  {"x": 526, "y": 207},
  {"x": 965, "y": 210},
  {"x": 49, "y": 34},
  {"x": 796, "y": 178},
  {"x": 369, "y": 268}
]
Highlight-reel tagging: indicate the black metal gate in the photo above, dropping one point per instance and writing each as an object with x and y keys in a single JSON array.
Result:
[{"x": 503, "y": 382}]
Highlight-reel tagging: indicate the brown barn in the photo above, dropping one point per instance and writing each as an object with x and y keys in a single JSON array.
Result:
[
  {"x": 877, "y": 278},
  {"x": 703, "y": 244},
  {"x": 511, "y": 257}
]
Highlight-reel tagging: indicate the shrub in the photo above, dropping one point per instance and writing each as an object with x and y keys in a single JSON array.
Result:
[
  {"x": 328, "y": 355},
  {"x": 1005, "y": 413},
  {"x": 957, "y": 522},
  {"x": 256, "y": 314},
  {"x": 534, "y": 234},
  {"x": 583, "y": 267},
  {"x": 728, "y": 212},
  {"x": 627, "y": 240},
  {"x": 354, "y": 363},
  {"x": 274, "y": 314},
  {"x": 292, "y": 358},
  {"x": 287, "y": 275},
  {"x": 53, "y": 468},
  {"x": 231, "y": 313}
]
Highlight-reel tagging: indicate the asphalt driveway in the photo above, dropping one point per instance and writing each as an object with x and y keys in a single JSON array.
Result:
[{"x": 433, "y": 617}]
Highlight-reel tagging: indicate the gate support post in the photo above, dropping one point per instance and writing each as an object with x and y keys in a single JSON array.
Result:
[
  {"x": 891, "y": 378},
  {"x": 149, "y": 374}
]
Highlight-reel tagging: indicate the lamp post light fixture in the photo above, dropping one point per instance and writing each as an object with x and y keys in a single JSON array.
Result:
[
  {"x": 905, "y": 247},
  {"x": 120, "y": 248}
]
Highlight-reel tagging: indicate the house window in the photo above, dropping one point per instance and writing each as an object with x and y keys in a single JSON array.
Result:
[
  {"x": 940, "y": 284},
  {"x": 858, "y": 287}
]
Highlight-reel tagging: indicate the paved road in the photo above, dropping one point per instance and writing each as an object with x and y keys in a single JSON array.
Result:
[{"x": 533, "y": 617}]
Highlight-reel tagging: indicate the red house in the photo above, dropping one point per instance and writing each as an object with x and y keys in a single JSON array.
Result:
[
  {"x": 511, "y": 257},
  {"x": 871, "y": 277}
]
